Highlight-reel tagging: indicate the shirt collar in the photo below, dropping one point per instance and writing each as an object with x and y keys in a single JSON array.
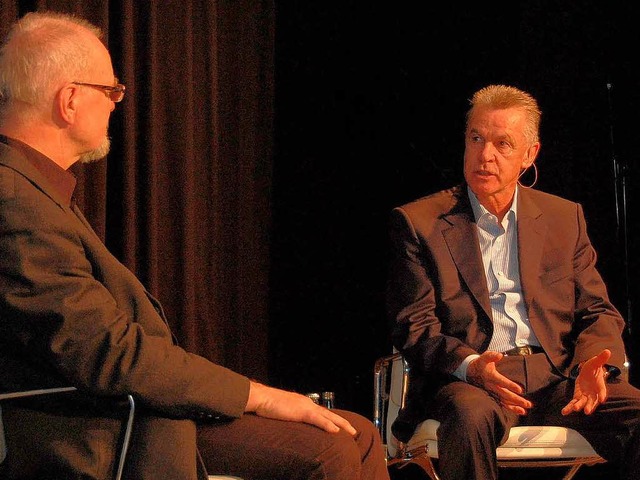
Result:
[
  {"x": 479, "y": 210},
  {"x": 62, "y": 180}
]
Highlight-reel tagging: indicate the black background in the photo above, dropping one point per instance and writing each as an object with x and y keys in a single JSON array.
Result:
[{"x": 370, "y": 103}]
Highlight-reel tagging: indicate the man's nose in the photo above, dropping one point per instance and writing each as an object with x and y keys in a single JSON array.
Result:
[{"x": 489, "y": 152}]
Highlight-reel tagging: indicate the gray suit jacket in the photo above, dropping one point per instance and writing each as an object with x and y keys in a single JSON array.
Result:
[
  {"x": 72, "y": 314},
  {"x": 438, "y": 300}
]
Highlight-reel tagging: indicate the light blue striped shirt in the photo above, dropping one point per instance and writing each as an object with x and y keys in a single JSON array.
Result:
[{"x": 499, "y": 247}]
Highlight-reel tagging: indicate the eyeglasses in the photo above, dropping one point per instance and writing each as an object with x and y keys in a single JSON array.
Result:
[{"x": 114, "y": 93}]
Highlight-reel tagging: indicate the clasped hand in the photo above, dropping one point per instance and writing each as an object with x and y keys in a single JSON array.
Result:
[{"x": 590, "y": 388}]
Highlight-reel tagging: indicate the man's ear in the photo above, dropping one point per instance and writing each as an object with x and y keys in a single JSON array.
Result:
[
  {"x": 532, "y": 154},
  {"x": 66, "y": 102}
]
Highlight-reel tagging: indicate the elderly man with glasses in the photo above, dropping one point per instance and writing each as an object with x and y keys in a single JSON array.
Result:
[{"x": 72, "y": 314}]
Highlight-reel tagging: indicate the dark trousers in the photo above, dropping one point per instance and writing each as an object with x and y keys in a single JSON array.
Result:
[
  {"x": 257, "y": 448},
  {"x": 53, "y": 447},
  {"x": 473, "y": 424}
]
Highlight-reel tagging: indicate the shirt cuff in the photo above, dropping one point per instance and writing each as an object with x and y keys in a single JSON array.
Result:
[{"x": 461, "y": 371}]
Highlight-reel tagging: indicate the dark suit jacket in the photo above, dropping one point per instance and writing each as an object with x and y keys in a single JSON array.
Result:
[
  {"x": 439, "y": 303},
  {"x": 72, "y": 314}
]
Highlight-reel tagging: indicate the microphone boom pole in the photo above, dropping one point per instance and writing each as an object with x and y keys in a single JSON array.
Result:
[{"x": 620, "y": 175}]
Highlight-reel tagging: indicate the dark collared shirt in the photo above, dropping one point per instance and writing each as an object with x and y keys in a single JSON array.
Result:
[{"x": 62, "y": 180}]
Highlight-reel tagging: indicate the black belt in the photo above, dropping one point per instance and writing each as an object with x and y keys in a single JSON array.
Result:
[{"x": 526, "y": 350}]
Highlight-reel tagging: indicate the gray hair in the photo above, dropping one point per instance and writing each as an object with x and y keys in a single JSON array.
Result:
[
  {"x": 41, "y": 51},
  {"x": 504, "y": 96}
]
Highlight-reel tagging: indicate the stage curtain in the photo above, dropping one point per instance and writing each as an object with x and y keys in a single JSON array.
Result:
[{"x": 183, "y": 198}]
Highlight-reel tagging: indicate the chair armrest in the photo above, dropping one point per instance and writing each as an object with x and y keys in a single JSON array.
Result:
[
  {"x": 46, "y": 391},
  {"x": 31, "y": 393},
  {"x": 26, "y": 393},
  {"x": 381, "y": 391}
]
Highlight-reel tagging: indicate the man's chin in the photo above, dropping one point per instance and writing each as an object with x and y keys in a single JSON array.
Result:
[
  {"x": 483, "y": 185},
  {"x": 97, "y": 154}
]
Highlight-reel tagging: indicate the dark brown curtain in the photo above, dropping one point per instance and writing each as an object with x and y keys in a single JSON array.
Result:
[{"x": 183, "y": 199}]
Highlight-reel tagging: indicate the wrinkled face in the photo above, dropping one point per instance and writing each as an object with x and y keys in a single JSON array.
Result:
[{"x": 496, "y": 152}]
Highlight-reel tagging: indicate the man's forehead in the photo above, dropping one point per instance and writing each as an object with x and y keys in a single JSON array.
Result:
[{"x": 497, "y": 121}]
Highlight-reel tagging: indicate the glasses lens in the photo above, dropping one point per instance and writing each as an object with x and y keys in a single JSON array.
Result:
[{"x": 117, "y": 94}]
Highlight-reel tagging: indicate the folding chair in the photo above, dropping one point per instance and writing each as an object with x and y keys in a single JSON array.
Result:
[{"x": 526, "y": 447}]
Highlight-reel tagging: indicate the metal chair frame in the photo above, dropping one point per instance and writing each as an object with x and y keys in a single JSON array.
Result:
[
  {"x": 125, "y": 441},
  {"x": 420, "y": 455},
  {"x": 49, "y": 391}
]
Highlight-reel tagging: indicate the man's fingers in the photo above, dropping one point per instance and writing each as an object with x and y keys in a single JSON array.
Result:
[
  {"x": 490, "y": 356},
  {"x": 604, "y": 356},
  {"x": 332, "y": 420},
  {"x": 510, "y": 385},
  {"x": 590, "y": 406},
  {"x": 570, "y": 407},
  {"x": 515, "y": 409},
  {"x": 512, "y": 400},
  {"x": 599, "y": 360}
]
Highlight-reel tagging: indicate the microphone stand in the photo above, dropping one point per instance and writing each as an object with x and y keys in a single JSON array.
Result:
[{"x": 620, "y": 177}]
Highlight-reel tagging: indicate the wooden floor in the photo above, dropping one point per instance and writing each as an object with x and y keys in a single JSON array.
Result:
[{"x": 597, "y": 472}]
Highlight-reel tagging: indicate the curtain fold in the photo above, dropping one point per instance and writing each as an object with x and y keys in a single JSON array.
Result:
[{"x": 183, "y": 198}]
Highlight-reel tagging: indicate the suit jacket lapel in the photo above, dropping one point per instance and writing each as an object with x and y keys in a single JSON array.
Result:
[
  {"x": 466, "y": 256},
  {"x": 532, "y": 230}
]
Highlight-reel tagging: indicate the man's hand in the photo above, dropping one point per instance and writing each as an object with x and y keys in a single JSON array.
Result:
[
  {"x": 279, "y": 404},
  {"x": 482, "y": 373},
  {"x": 591, "y": 388}
]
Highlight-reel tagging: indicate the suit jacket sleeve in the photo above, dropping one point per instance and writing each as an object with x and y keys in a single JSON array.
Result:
[
  {"x": 567, "y": 300},
  {"x": 436, "y": 322}
]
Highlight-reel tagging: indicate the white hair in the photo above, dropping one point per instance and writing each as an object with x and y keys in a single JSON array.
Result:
[{"x": 41, "y": 51}]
